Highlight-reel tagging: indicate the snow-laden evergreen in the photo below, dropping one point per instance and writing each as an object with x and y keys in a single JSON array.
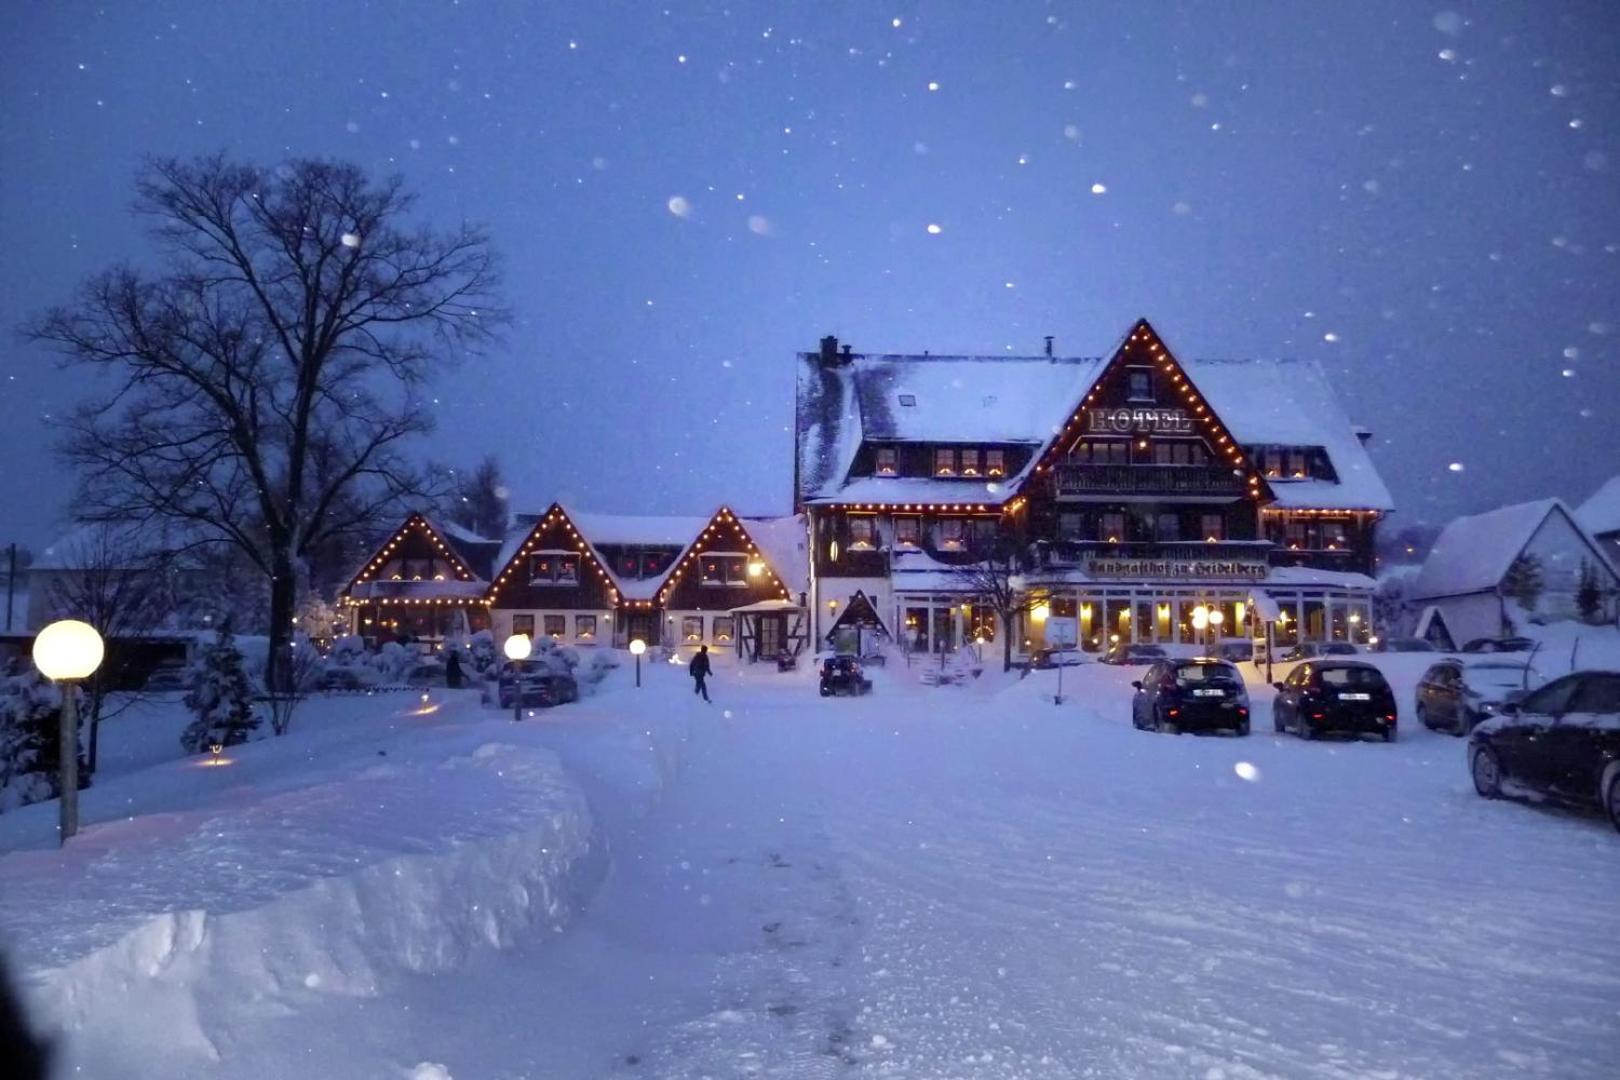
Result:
[
  {"x": 30, "y": 711},
  {"x": 221, "y": 699}
]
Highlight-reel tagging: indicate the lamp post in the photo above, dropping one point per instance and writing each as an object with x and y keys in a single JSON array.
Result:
[
  {"x": 637, "y": 647},
  {"x": 517, "y": 649},
  {"x": 1200, "y": 621},
  {"x": 1215, "y": 620},
  {"x": 66, "y": 652}
]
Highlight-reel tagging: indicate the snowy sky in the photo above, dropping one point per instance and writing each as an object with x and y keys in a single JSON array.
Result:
[{"x": 1426, "y": 197}]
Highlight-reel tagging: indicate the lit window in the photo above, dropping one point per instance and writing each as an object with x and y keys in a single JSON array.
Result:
[
  {"x": 888, "y": 461},
  {"x": 952, "y": 534},
  {"x": 970, "y": 463},
  {"x": 1111, "y": 527},
  {"x": 585, "y": 627},
  {"x": 995, "y": 463},
  {"x": 543, "y": 568},
  {"x": 944, "y": 462},
  {"x": 907, "y": 532},
  {"x": 1296, "y": 464},
  {"x": 523, "y": 624},
  {"x": 568, "y": 569},
  {"x": 556, "y": 626},
  {"x": 722, "y": 629},
  {"x": 1334, "y": 536},
  {"x": 1274, "y": 462},
  {"x": 862, "y": 533},
  {"x": 714, "y": 570},
  {"x": 691, "y": 628},
  {"x": 1212, "y": 527}
]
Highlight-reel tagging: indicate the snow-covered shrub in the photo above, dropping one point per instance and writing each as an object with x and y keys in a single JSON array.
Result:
[
  {"x": 596, "y": 666},
  {"x": 392, "y": 660},
  {"x": 348, "y": 649},
  {"x": 221, "y": 697},
  {"x": 481, "y": 650},
  {"x": 30, "y": 714}
]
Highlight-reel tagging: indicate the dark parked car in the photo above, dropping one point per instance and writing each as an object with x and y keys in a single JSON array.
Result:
[
  {"x": 1561, "y": 740},
  {"x": 842, "y": 675},
  {"x": 1499, "y": 644},
  {"x": 1191, "y": 695},
  {"x": 1311, "y": 650},
  {"x": 1328, "y": 696},
  {"x": 535, "y": 682},
  {"x": 1131, "y": 655},
  {"x": 1236, "y": 652},
  {"x": 1403, "y": 644},
  {"x": 1454, "y": 696}
]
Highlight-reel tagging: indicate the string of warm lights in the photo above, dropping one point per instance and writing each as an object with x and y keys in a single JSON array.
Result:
[
  {"x": 756, "y": 565},
  {"x": 554, "y": 516},
  {"x": 416, "y": 522}
]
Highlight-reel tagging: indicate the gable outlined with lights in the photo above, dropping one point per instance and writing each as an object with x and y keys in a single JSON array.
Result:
[
  {"x": 1144, "y": 395},
  {"x": 416, "y": 565},
  {"x": 555, "y": 566},
  {"x": 723, "y": 567}
]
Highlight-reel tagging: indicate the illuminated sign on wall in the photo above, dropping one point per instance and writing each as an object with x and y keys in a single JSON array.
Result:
[
  {"x": 1177, "y": 568},
  {"x": 1138, "y": 421}
]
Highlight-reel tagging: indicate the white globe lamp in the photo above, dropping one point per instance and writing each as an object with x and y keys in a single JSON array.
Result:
[
  {"x": 66, "y": 652},
  {"x": 637, "y": 647},
  {"x": 518, "y": 647}
]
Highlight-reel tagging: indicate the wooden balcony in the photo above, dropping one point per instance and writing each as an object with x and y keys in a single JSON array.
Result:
[{"x": 1077, "y": 479}]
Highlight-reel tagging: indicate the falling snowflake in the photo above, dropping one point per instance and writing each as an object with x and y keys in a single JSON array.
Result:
[
  {"x": 679, "y": 206},
  {"x": 1247, "y": 771},
  {"x": 351, "y": 240},
  {"x": 933, "y": 86},
  {"x": 934, "y": 230},
  {"x": 1099, "y": 189},
  {"x": 1455, "y": 466}
]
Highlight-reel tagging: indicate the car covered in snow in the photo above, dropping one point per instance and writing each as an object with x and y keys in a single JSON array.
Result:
[
  {"x": 1403, "y": 644},
  {"x": 1455, "y": 694},
  {"x": 1325, "y": 697},
  {"x": 1499, "y": 645},
  {"x": 1045, "y": 659},
  {"x": 843, "y": 675},
  {"x": 536, "y": 681},
  {"x": 1312, "y": 650},
  {"x": 1559, "y": 741},
  {"x": 1191, "y": 695},
  {"x": 1235, "y": 652},
  {"x": 1124, "y": 654}
]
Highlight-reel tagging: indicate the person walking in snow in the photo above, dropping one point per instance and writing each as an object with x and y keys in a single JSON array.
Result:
[
  {"x": 452, "y": 670},
  {"x": 699, "y": 670}
]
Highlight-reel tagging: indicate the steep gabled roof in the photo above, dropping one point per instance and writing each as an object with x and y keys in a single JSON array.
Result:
[
  {"x": 1600, "y": 513},
  {"x": 700, "y": 544},
  {"x": 1472, "y": 554},
  {"x": 441, "y": 542},
  {"x": 521, "y": 541},
  {"x": 785, "y": 543}
]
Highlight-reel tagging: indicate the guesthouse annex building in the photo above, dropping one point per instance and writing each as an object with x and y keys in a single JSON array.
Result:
[{"x": 1135, "y": 497}]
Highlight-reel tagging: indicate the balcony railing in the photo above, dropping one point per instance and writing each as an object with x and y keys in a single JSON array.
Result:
[{"x": 1079, "y": 478}]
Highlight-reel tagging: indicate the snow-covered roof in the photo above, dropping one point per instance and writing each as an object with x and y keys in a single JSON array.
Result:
[
  {"x": 786, "y": 546},
  {"x": 1472, "y": 554},
  {"x": 125, "y": 545},
  {"x": 652, "y": 530},
  {"x": 1600, "y": 514},
  {"x": 377, "y": 588},
  {"x": 984, "y": 400}
]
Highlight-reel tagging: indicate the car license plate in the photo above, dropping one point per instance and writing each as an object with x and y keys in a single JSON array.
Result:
[
  {"x": 1355, "y": 697},
  {"x": 1209, "y": 693}
]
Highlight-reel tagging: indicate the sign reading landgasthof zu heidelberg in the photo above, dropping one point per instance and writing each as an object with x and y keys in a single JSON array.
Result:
[
  {"x": 1177, "y": 568},
  {"x": 1138, "y": 421}
]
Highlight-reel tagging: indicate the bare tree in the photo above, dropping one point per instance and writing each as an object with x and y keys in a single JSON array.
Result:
[
  {"x": 266, "y": 383},
  {"x": 995, "y": 580},
  {"x": 478, "y": 500},
  {"x": 117, "y": 580}
]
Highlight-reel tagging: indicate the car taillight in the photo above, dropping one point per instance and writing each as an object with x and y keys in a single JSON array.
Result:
[
  {"x": 1174, "y": 712},
  {"x": 1318, "y": 716}
]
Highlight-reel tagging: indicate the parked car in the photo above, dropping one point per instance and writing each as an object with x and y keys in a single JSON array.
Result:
[
  {"x": 1403, "y": 644},
  {"x": 1127, "y": 655},
  {"x": 1236, "y": 652},
  {"x": 1561, "y": 740},
  {"x": 1311, "y": 650},
  {"x": 535, "y": 682},
  {"x": 1330, "y": 696},
  {"x": 842, "y": 675},
  {"x": 1454, "y": 695},
  {"x": 1191, "y": 695},
  {"x": 1499, "y": 644},
  {"x": 1042, "y": 659}
]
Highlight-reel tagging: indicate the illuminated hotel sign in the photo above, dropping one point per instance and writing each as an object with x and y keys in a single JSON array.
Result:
[
  {"x": 1138, "y": 422},
  {"x": 1177, "y": 568}
]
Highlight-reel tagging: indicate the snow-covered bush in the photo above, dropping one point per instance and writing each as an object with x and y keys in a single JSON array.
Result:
[
  {"x": 392, "y": 660},
  {"x": 596, "y": 666},
  {"x": 30, "y": 712},
  {"x": 348, "y": 649},
  {"x": 481, "y": 650},
  {"x": 221, "y": 697}
]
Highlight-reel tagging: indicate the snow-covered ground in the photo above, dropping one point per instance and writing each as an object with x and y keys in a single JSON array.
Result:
[{"x": 930, "y": 882}]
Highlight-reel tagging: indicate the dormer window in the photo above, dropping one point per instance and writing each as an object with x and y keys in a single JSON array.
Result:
[
  {"x": 908, "y": 400},
  {"x": 862, "y": 533},
  {"x": 995, "y": 463},
  {"x": 888, "y": 461},
  {"x": 970, "y": 462},
  {"x": 952, "y": 534},
  {"x": 1296, "y": 464},
  {"x": 907, "y": 532},
  {"x": 944, "y": 462},
  {"x": 1273, "y": 462}
]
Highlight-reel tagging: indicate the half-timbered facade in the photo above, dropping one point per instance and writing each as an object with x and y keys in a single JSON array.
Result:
[
  {"x": 1127, "y": 492},
  {"x": 425, "y": 583}
]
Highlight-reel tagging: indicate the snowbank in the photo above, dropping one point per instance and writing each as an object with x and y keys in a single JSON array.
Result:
[{"x": 155, "y": 937}]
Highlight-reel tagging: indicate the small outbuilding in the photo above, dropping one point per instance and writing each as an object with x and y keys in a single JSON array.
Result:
[{"x": 1491, "y": 574}]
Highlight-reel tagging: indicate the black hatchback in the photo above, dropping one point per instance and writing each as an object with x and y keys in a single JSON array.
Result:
[
  {"x": 1335, "y": 696},
  {"x": 1191, "y": 695},
  {"x": 842, "y": 675},
  {"x": 1561, "y": 740}
]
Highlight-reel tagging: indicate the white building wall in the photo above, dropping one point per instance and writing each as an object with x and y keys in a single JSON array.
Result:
[
  {"x": 1468, "y": 617},
  {"x": 501, "y": 623},
  {"x": 1562, "y": 551}
]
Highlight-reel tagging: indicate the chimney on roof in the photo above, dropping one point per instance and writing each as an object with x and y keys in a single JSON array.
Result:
[
  {"x": 849, "y": 353},
  {"x": 1049, "y": 346},
  {"x": 829, "y": 350},
  {"x": 1363, "y": 434}
]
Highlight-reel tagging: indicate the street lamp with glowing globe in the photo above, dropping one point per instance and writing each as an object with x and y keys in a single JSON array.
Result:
[
  {"x": 637, "y": 647},
  {"x": 517, "y": 649},
  {"x": 66, "y": 652}
]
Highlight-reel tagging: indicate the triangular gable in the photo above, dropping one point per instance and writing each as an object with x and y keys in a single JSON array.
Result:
[
  {"x": 1431, "y": 627},
  {"x": 554, "y": 516},
  {"x": 859, "y": 611},
  {"x": 379, "y": 557},
  {"x": 702, "y": 542},
  {"x": 1143, "y": 347}
]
